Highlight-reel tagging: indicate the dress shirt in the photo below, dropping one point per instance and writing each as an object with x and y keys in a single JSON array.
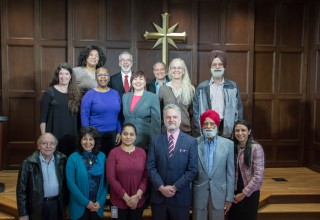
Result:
[
  {"x": 129, "y": 77},
  {"x": 217, "y": 97},
  {"x": 50, "y": 180},
  {"x": 210, "y": 147},
  {"x": 175, "y": 136},
  {"x": 158, "y": 86}
]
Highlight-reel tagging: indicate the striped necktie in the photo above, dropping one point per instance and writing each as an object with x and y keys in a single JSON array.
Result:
[{"x": 171, "y": 146}]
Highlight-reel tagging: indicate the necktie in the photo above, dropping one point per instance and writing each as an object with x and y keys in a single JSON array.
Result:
[
  {"x": 126, "y": 83},
  {"x": 171, "y": 146}
]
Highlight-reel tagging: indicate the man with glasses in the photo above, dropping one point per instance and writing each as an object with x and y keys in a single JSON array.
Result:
[
  {"x": 220, "y": 94},
  {"x": 41, "y": 186},
  {"x": 121, "y": 81}
]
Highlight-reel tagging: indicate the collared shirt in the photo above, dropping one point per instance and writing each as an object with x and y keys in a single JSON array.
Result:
[
  {"x": 217, "y": 97},
  {"x": 129, "y": 77},
  {"x": 157, "y": 85},
  {"x": 50, "y": 180},
  {"x": 210, "y": 151},
  {"x": 175, "y": 136}
]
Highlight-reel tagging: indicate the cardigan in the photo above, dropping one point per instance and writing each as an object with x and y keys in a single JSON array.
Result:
[{"x": 78, "y": 184}]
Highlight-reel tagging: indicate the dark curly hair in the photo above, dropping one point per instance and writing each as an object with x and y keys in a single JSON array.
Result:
[
  {"x": 93, "y": 132},
  {"x": 74, "y": 94},
  {"x": 84, "y": 54},
  {"x": 250, "y": 141}
]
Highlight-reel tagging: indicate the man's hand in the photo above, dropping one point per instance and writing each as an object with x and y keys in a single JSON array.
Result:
[
  {"x": 227, "y": 207},
  {"x": 168, "y": 191}
]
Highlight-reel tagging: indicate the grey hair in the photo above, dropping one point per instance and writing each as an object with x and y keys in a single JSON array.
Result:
[
  {"x": 171, "y": 106},
  {"x": 54, "y": 138},
  {"x": 126, "y": 52}
]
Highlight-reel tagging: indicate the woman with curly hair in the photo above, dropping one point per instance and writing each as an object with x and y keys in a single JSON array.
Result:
[
  {"x": 90, "y": 58},
  {"x": 179, "y": 91},
  {"x": 249, "y": 171},
  {"x": 60, "y": 108}
]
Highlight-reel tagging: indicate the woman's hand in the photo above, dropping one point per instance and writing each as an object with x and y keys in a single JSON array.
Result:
[
  {"x": 133, "y": 201},
  {"x": 93, "y": 207},
  {"x": 118, "y": 139},
  {"x": 239, "y": 197}
]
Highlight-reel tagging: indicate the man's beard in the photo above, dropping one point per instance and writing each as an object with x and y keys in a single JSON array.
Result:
[
  {"x": 171, "y": 127},
  {"x": 210, "y": 133}
]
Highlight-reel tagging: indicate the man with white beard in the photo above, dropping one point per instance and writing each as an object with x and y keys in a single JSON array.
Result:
[
  {"x": 214, "y": 185},
  {"x": 220, "y": 94}
]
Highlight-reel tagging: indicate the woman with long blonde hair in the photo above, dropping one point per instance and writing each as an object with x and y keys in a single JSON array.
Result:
[{"x": 179, "y": 91}]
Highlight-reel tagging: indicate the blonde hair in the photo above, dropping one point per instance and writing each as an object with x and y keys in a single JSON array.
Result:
[{"x": 187, "y": 88}]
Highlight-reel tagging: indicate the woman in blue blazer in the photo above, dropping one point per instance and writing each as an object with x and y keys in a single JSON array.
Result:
[
  {"x": 86, "y": 180},
  {"x": 142, "y": 108}
]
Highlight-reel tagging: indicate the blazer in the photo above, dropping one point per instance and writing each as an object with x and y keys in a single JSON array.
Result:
[
  {"x": 179, "y": 170},
  {"x": 116, "y": 83},
  {"x": 151, "y": 87},
  {"x": 220, "y": 181},
  {"x": 145, "y": 116}
]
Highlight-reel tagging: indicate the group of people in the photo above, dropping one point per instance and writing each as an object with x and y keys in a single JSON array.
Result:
[{"x": 166, "y": 143}]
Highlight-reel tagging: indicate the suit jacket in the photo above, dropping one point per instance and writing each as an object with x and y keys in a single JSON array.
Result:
[
  {"x": 145, "y": 116},
  {"x": 179, "y": 170},
  {"x": 151, "y": 87},
  {"x": 116, "y": 83},
  {"x": 220, "y": 181}
]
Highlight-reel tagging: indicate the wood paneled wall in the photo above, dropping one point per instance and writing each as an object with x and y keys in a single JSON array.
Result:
[{"x": 269, "y": 47}]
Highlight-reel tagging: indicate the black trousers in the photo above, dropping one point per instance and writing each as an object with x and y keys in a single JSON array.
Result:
[
  {"x": 51, "y": 210},
  {"x": 107, "y": 141},
  {"x": 87, "y": 215},
  {"x": 129, "y": 214}
]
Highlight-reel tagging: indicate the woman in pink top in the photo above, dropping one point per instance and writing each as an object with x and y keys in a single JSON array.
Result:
[
  {"x": 249, "y": 167},
  {"x": 141, "y": 108},
  {"x": 126, "y": 174}
]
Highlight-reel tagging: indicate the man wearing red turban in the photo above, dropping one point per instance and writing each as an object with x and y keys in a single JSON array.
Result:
[
  {"x": 213, "y": 187},
  {"x": 218, "y": 93}
]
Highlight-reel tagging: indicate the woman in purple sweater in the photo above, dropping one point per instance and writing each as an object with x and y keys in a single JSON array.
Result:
[
  {"x": 100, "y": 108},
  {"x": 127, "y": 176},
  {"x": 249, "y": 167}
]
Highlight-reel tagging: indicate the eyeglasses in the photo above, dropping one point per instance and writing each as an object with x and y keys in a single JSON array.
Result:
[
  {"x": 103, "y": 74},
  {"x": 48, "y": 143},
  {"x": 217, "y": 65},
  {"x": 127, "y": 60},
  {"x": 212, "y": 124},
  {"x": 176, "y": 68}
]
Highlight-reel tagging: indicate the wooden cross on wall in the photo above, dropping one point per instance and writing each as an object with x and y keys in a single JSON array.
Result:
[{"x": 165, "y": 36}]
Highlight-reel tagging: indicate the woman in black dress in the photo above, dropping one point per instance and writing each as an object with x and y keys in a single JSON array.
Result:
[{"x": 60, "y": 109}]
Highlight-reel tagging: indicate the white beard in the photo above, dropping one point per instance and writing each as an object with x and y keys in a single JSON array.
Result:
[
  {"x": 217, "y": 72},
  {"x": 210, "y": 133}
]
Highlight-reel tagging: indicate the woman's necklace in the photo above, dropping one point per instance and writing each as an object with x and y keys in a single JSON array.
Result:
[
  {"x": 89, "y": 159},
  {"x": 176, "y": 85}
]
